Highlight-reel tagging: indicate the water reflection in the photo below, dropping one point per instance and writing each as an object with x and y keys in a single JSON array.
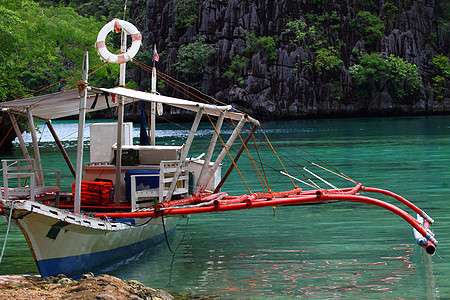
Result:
[{"x": 332, "y": 251}]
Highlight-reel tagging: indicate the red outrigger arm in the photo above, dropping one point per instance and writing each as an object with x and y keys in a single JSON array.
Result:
[{"x": 223, "y": 202}]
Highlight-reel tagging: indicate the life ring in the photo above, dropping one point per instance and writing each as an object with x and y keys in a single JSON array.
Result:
[{"x": 130, "y": 29}]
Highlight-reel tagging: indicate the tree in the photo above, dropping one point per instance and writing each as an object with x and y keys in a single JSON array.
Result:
[
  {"x": 394, "y": 73},
  {"x": 192, "y": 59}
]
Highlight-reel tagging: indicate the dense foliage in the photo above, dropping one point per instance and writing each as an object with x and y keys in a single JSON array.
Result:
[
  {"x": 393, "y": 73},
  {"x": 40, "y": 46},
  {"x": 192, "y": 59}
]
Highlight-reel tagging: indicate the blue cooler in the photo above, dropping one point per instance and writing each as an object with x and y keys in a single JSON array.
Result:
[{"x": 145, "y": 182}]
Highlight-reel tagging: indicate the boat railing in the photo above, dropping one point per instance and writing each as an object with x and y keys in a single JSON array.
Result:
[
  {"x": 30, "y": 181},
  {"x": 141, "y": 196}
]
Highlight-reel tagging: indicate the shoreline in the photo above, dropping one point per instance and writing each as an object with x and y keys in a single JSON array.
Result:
[{"x": 89, "y": 286}]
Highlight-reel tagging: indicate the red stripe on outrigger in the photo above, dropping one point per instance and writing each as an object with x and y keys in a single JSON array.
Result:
[{"x": 252, "y": 201}]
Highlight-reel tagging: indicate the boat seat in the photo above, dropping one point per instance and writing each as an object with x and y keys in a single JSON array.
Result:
[
  {"x": 149, "y": 197},
  {"x": 28, "y": 185}
]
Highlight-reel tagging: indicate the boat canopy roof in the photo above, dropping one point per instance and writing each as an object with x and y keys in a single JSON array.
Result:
[{"x": 67, "y": 103}]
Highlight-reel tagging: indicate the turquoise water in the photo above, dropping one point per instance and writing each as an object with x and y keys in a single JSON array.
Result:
[{"x": 338, "y": 250}]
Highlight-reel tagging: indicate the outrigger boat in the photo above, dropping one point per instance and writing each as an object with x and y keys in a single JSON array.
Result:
[{"x": 127, "y": 197}]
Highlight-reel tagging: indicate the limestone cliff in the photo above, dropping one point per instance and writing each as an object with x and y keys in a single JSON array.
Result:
[{"x": 290, "y": 79}]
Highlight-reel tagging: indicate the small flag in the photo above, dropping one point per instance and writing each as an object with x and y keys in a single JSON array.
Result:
[{"x": 155, "y": 54}]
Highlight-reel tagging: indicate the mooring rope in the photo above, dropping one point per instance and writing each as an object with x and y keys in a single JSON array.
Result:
[
  {"x": 7, "y": 230},
  {"x": 186, "y": 90},
  {"x": 167, "y": 238}
]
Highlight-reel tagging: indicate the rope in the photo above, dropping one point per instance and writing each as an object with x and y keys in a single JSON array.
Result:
[
  {"x": 315, "y": 157},
  {"x": 228, "y": 152},
  {"x": 7, "y": 230},
  {"x": 249, "y": 156},
  {"x": 124, "y": 9},
  {"x": 337, "y": 174},
  {"x": 9, "y": 131},
  {"x": 167, "y": 238},
  {"x": 270, "y": 144},
  {"x": 180, "y": 86},
  {"x": 266, "y": 182},
  {"x": 176, "y": 84}
]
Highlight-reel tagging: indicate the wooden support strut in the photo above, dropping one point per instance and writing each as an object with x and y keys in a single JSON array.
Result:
[
  {"x": 184, "y": 154},
  {"x": 37, "y": 155},
  {"x": 61, "y": 148},
  {"x": 209, "y": 154},
  {"x": 224, "y": 151},
  {"x": 19, "y": 135},
  {"x": 236, "y": 158}
]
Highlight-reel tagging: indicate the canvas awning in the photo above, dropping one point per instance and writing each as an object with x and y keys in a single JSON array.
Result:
[
  {"x": 64, "y": 104},
  {"x": 56, "y": 105},
  {"x": 175, "y": 102}
]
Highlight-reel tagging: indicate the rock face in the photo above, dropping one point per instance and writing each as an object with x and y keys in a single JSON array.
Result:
[
  {"x": 290, "y": 84},
  {"x": 89, "y": 287}
]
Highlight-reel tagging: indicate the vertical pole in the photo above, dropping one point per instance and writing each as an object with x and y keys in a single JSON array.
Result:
[
  {"x": 117, "y": 183},
  {"x": 223, "y": 152},
  {"x": 19, "y": 135},
  {"x": 209, "y": 154},
  {"x": 81, "y": 123},
  {"x": 37, "y": 155},
  {"x": 236, "y": 158},
  {"x": 153, "y": 123},
  {"x": 185, "y": 152},
  {"x": 61, "y": 148},
  {"x": 153, "y": 106}
]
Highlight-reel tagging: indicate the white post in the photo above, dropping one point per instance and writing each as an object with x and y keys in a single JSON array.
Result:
[
  {"x": 223, "y": 153},
  {"x": 153, "y": 123},
  {"x": 209, "y": 154},
  {"x": 185, "y": 152},
  {"x": 81, "y": 123},
  {"x": 117, "y": 188},
  {"x": 153, "y": 108}
]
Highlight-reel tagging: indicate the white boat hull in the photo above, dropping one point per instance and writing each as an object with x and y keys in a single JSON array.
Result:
[{"x": 72, "y": 244}]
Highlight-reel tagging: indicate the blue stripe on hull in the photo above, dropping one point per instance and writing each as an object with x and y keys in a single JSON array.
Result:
[{"x": 75, "y": 266}]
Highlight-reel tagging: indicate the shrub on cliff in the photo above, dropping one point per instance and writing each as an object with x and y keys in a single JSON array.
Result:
[
  {"x": 393, "y": 72},
  {"x": 192, "y": 59}
]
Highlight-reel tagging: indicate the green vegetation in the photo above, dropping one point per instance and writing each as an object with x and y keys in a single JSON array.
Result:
[
  {"x": 256, "y": 44},
  {"x": 313, "y": 38},
  {"x": 186, "y": 13},
  {"x": 192, "y": 59},
  {"x": 234, "y": 72},
  {"x": 304, "y": 35},
  {"x": 369, "y": 26},
  {"x": 442, "y": 69},
  {"x": 327, "y": 59},
  {"x": 43, "y": 45},
  {"x": 389, "y": 9},
  {"x": 102, "y": 10},
  {"x": 265, "y": 45},
  {"x": 398, "y": 75}
]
